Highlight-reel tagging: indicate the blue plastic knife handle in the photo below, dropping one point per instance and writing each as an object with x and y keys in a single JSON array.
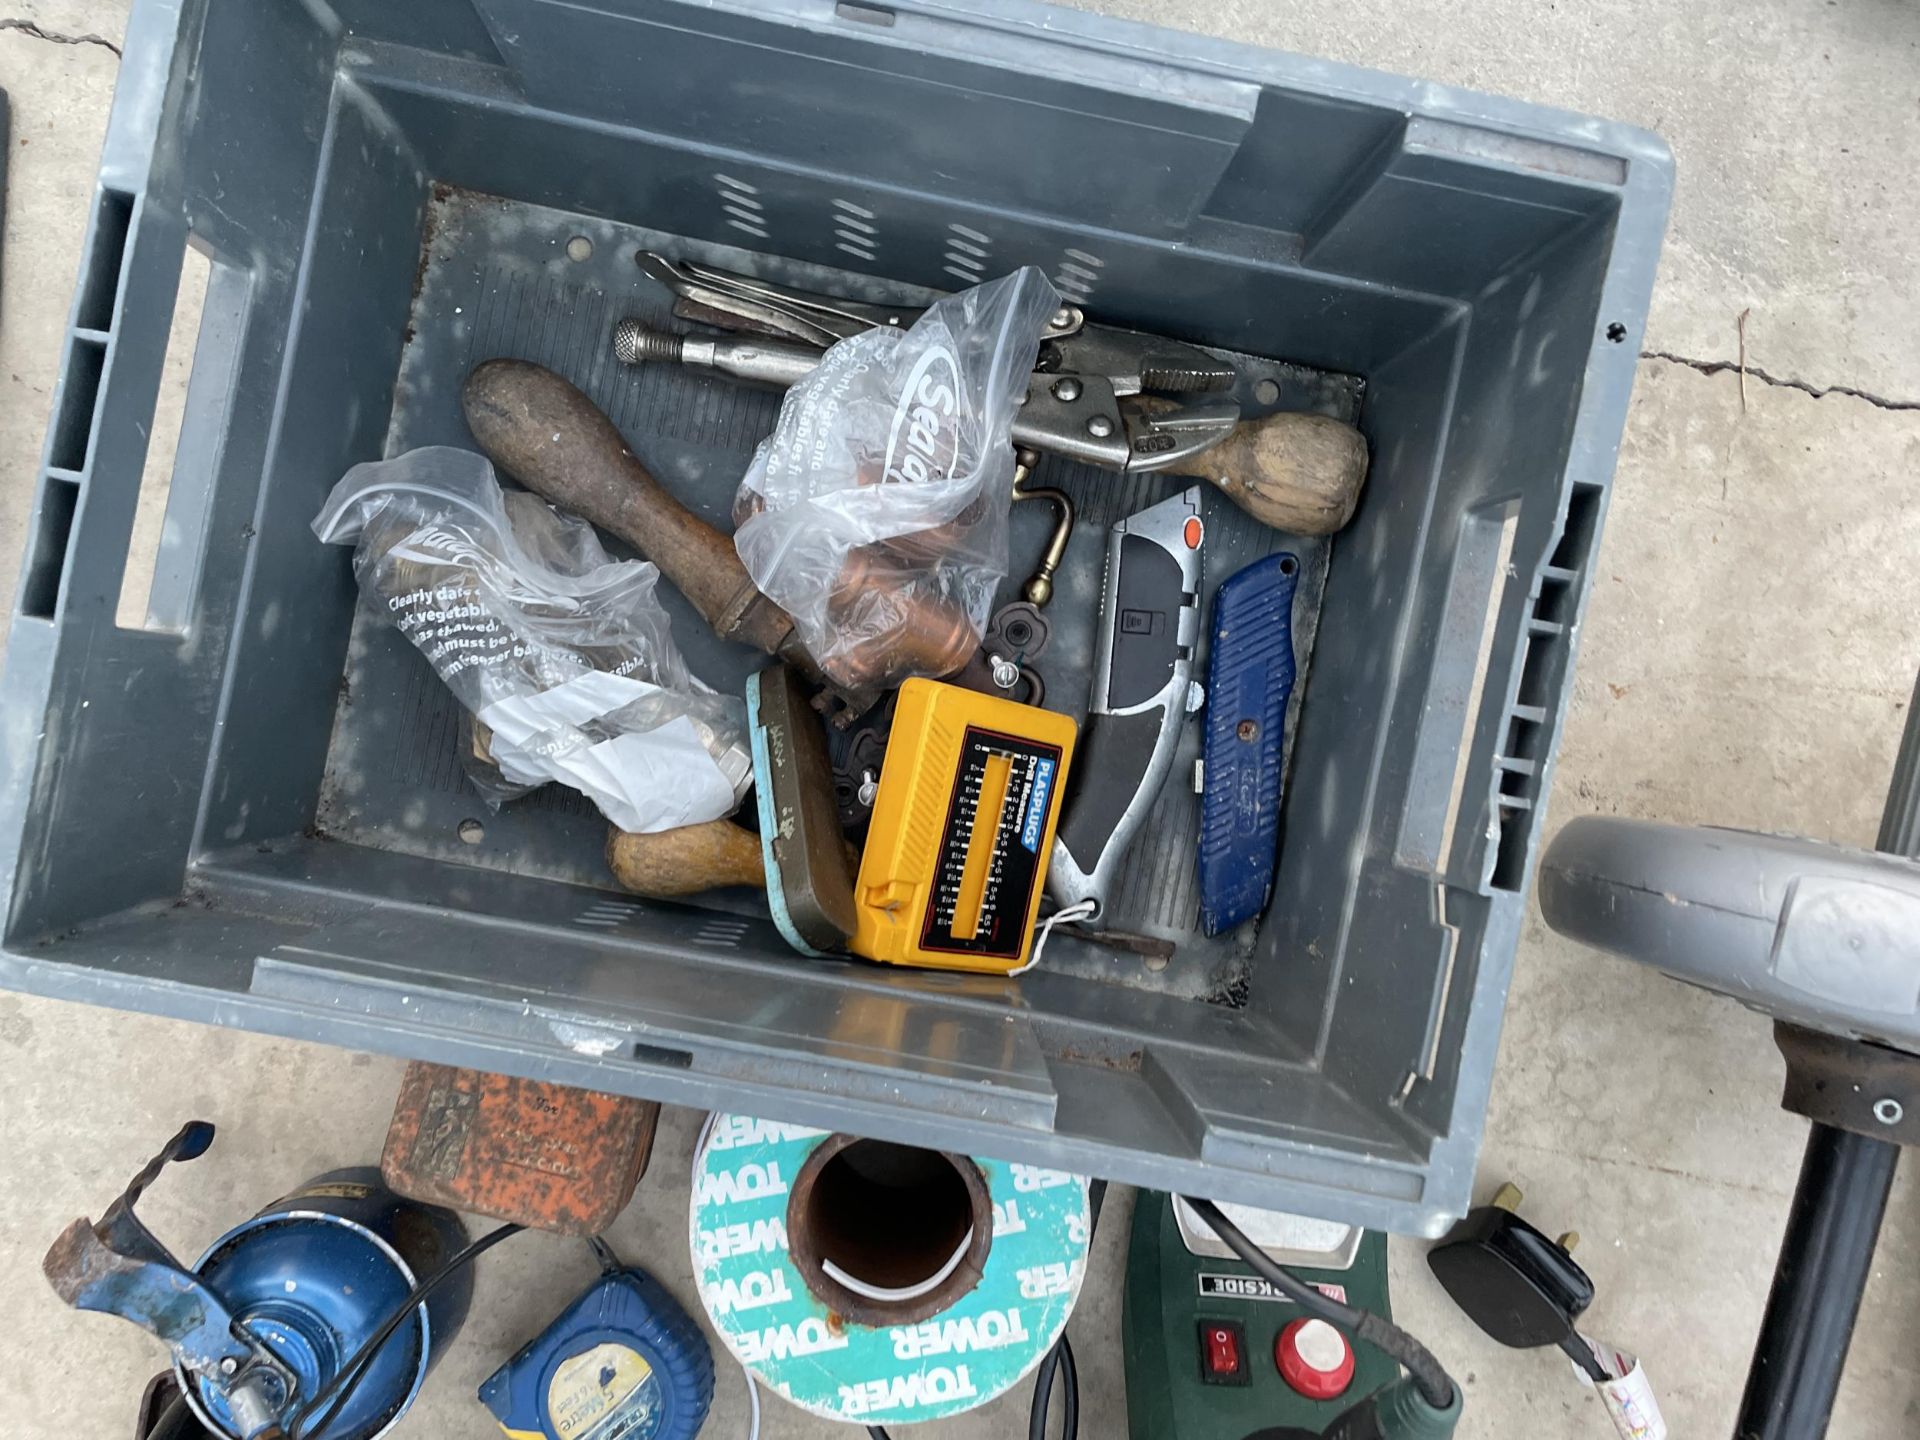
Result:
[{"x": 1249, "y": 679}]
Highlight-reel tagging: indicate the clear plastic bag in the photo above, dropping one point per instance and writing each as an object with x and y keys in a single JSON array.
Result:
[
  {"x": 563, "y": 658},
  {"x": 876, "y": 513}
]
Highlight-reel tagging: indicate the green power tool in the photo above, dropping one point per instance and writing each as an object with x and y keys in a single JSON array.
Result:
[{"x": 1215, "y": 1352}]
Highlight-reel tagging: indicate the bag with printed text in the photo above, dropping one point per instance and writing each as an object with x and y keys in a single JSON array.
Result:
[
  {"x": 876, "y": 513},
  {"x": 563, "y": 658}
]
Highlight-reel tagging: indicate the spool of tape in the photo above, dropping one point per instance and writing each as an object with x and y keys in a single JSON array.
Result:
[{"x": 880, "y": 1283}]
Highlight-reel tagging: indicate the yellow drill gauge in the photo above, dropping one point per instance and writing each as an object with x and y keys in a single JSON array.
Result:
[{"x": 962, "y": 829}]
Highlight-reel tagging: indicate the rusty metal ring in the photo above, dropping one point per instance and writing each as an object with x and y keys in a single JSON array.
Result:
[{"x": 825, "y": 1217}]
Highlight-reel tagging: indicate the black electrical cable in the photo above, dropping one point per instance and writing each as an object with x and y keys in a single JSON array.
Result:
[
  {"x": 603, "y": 1252},
  {"x": 1436, "y": 1386},
  {"x": 1059, "y": 1363},
  {"x": 1042, "y": 1393},
  {"x": 337, "y": 1391},
  {"x": 176, "y": 1421},
  {"x": 1578, "y": 1351},
  {"x": 1070, "y": 1378}
]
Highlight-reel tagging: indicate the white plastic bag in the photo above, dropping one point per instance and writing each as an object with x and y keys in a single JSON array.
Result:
[
  {"x": 563, "y": 657},
  {"x": 876, "y": 513}
]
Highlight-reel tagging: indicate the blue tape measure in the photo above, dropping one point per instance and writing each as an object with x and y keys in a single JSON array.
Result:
[{"x": 623, "y": 1362}]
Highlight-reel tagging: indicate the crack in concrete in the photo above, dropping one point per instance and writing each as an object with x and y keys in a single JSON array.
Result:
[
  {"x": 34, "y": 32},
  {"x": 1720, "y": 367}
]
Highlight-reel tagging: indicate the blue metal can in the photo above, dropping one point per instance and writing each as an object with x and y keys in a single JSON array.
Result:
[{"x": 315, "y": 1274}]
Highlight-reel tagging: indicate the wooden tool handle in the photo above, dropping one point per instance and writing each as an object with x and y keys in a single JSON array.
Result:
[
  {"x": 550, "y": 437},
  {"x": 671, "y": 863},
  {"x": 1298, "y": 473}
]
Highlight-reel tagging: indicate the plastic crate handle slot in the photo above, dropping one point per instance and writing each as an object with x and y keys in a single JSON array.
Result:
[
  {"x": 161, "y": 578},
  {"x": 76, "y": 401},
  {"x": 104, "y": 417},
  {"x": 1544, "y": 655},
  {"x": 1486, "y": 842}
]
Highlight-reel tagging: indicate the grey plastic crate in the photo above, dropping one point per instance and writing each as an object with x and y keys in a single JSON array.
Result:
[{"x": 246, "y": 811}]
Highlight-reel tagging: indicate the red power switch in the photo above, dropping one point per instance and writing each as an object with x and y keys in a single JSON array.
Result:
[
  {"x": 1223, "y": 1353},
  {"x": 1315, "y": 1359}
]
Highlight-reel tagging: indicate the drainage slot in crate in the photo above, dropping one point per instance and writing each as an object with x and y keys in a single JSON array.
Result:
[
  {"x": 864, "y": 14},
  {"x": 1577, "y": 535},
  {"x": 40, "y": 591},
  {"x": 969, "y": 253},
  {"x": 854, "y": 230},
  {"x": 741, "y": 204},
  {"x": 662, "y": 1055},
  {"x": 1078, "y": 274},
  {"x": 112, "y": 218},
  {"x": 1510, "y": 854},
  {"x": 1536, "y": 676},
  {"x": 1543, "y": 672},
  {"x": 73, "y": 424}
]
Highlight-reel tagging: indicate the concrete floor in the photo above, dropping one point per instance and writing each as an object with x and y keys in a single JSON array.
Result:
[{"x": 1752, "y": 629}]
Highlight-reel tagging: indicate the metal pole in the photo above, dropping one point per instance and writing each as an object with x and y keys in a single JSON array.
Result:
[
  {"x": 1838, "y": 1203},
  {"x": 1817, "y": 1284},
  {"x": 1900, "y": 821}
]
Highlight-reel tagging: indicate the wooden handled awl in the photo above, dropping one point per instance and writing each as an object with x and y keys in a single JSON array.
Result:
[
  {"x": 669, "y": 864},
  {"x": 544, "y": 432},
  {"x": 672, "y": 864}
]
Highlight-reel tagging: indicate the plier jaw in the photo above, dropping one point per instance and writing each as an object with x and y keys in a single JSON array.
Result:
[
  {"x": 1081, "y": 417},
  {"x": 1167, "y": 437},
  {"x": 1135, "y": 363}
]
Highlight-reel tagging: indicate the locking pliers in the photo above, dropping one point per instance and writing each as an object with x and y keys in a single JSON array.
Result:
[{"x": 1108, "y": 397}]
